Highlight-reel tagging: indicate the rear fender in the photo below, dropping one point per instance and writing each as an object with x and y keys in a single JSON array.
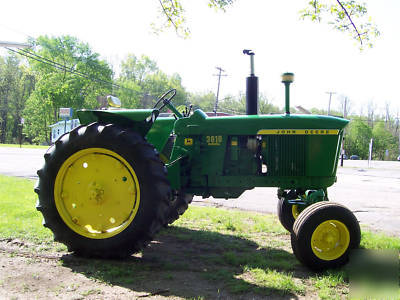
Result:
[{"x": 139, "y": 120}]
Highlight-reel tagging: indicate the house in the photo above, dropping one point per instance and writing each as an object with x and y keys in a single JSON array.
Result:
[{"x": 59, "y": 128}]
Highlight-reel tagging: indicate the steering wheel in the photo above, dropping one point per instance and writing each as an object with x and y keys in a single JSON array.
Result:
[{"x": 165, "y": 99}]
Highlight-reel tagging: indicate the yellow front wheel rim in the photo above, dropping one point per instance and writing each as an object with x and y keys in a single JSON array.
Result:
[
  {"x": 295, "y": 211},
  {"x": 97, "y": 193},
  {"x": 330, "y": 240}
]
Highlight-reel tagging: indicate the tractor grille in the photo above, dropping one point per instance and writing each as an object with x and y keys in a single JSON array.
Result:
[{"x": 285, "y": 155}]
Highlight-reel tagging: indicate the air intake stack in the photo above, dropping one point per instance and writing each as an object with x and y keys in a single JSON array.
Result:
[
  {"x": 287, "y": 79},
  {"x": 251, "y": 87}
]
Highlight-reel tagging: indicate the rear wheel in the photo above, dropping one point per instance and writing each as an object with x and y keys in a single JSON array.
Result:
[
  {"x": 103, "y": 191},
  {"x": 324, "y": 234}
]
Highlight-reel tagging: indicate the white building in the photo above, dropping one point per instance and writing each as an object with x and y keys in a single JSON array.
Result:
[{"x": 61, "y": 127}]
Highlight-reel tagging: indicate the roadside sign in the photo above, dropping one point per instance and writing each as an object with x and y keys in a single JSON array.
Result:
[{"x": 66, "y": 112}]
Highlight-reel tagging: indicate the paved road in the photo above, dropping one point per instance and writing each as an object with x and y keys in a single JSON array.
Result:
[
  {"x": 371, "y": 192},
  {"x": 21, "y": 162}
]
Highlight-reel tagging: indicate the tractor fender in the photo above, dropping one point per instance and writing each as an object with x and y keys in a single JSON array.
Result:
[{"x": 139, "y": 120}]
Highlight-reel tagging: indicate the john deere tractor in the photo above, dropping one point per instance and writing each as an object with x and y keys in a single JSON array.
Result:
[{"x": 108, "y": 186}]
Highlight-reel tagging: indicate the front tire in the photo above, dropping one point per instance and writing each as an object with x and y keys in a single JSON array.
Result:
[
  {"x": 287, "y": 213},
  {"x": 179, "y": 204},
  {"x": 324, "y": 234},
  {"x": 103, "y": 191}
]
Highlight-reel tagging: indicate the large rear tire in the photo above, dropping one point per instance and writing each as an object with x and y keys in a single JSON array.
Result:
[
  {"x": 103, "y": 191},
  {"x": 323, "y": 235}
]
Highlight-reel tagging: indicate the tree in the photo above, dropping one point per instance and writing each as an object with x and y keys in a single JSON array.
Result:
[
  {"x": 16, "y": 84},
  {"x": 136, "y": 69},
  {"x": 266, "y": 107},
  {"x": 384, "y": 140},
  {"x": 8, "y": 78},
  {"x": 357, "y": 139},
  {"x": 68, "y": 74},
  {"x": 204, "y": 101},
  {"x": 146, "y": 83},
  {"x": 349, "y": 16}
]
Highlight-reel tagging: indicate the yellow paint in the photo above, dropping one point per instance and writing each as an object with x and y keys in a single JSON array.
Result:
[
  {"x": 234, "y": 143},
  {"x": 295, "y": 211},
  {"x": 214, "y": 140},
  {"x": 298, "y": 132},
  {"x": 330, "y": 240},
  {"x": 287, "y": 77},
  {"x": 188, "y": 141},
  {"x": 163, "y": 158},
  {"x": 97, "y": 193}
]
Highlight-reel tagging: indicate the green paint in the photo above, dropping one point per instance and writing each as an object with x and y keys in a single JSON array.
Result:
[{"x": 224, "y": 156}]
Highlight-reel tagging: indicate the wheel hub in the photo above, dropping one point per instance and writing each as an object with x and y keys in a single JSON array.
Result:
[
  {"x": 97, "y": 193},
  {"x": 330, "y": 240}
]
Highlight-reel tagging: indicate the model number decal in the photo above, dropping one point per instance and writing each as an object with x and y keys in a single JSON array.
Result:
[
  {"x": 214, "y": 140},
  {"x": 298, "y": 131}
]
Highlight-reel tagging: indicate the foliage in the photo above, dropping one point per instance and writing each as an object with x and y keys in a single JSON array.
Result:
[
  {"x": 231, "y": 104},
  {"x": 359, "y": 134},
  {"x": 349, "y": 16},
  {"x": 71, "y": 80},
  {"x": 266, "y": 107},
  {"x": 15, "y": 86},
  {"x": 341, "y": 15},
  {"x": 357, "y": 139},
  {"x": 146, "y": 83},
  {"x": 205, "y": 101},
  {"x": 384, "y": 140}
]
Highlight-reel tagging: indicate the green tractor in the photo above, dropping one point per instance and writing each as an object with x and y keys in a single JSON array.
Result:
[{"x": 108, "y": 186}]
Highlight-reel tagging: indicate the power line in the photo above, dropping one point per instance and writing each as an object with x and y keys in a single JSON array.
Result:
[{"x": 61, "y": 67}]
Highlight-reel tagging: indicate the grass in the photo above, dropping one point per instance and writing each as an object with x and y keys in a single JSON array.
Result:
[
  {"x": 235, "y": 252},
  {"x": 18, "y": 216},
  {"x": 24, "y": 146}
]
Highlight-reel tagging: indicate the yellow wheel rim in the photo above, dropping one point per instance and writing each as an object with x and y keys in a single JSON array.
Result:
[
  {"x": 97, "y": 193},
  {"x": 295, "y": 211},
  {"x": 330, "y": 240}
]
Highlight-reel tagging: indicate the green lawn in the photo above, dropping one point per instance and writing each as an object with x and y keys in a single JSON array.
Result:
[
  {"x": 24, "y": 146},
  {"x": 245, "y": 253}
]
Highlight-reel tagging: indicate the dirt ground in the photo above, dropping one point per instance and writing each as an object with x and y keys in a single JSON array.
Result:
[{"x": 168, "y": 269}]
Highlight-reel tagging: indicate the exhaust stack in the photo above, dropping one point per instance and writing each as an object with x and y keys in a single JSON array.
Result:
[
  {"x": 287, "y": 79},
  {"x": 251, "y": 87}
]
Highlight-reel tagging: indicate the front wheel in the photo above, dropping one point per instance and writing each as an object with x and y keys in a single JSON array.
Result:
[
  {"x": 287, "y": 213},
  {"x": 179, "y": 204},
  {"x": 324, "y": 234},
  {"x": 103, "y": 191}
]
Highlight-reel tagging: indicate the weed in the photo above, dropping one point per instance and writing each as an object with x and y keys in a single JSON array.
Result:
[
  {"x": 91, "y": 292},
  {"x": 330, "y": 285}
]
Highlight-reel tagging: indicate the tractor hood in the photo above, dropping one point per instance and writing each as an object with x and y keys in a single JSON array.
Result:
[{"x": 199, "y": 123}]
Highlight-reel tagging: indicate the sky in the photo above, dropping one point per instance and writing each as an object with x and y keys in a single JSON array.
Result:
[{"x": 322, "y": 59}]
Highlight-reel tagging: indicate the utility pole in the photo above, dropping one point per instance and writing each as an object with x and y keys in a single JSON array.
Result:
[
  {"x": 219, "y": 81},
  {"x": 330, "y": 98},
  {"x": 345, "y": 108}
]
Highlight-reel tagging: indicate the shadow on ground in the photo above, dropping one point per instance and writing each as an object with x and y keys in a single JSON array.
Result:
[{"x": 195, "y": 264}]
